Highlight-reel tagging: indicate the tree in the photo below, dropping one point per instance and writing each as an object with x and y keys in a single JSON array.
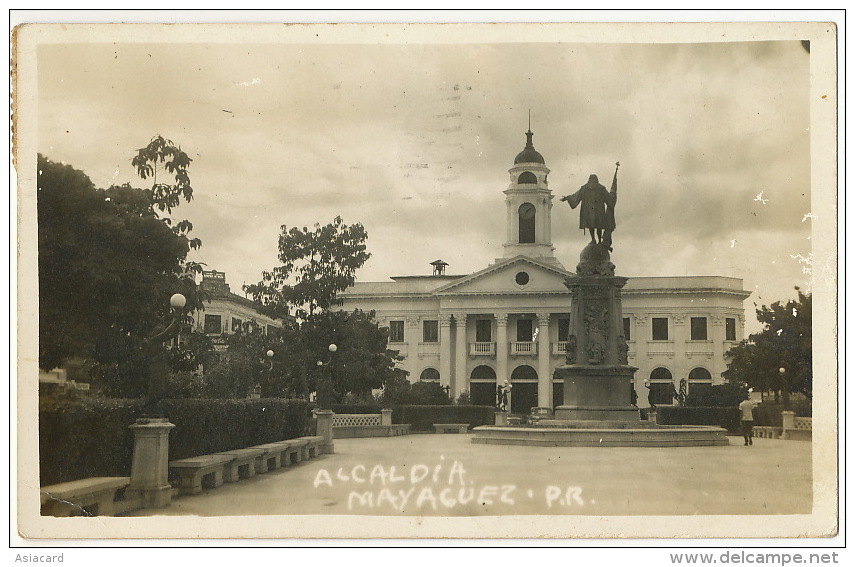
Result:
[
  {"x": 784, "y": 343},
  {"x": 244, "y": 366},
  {"x": 108, "y": 264},
  {"x": 316, "y": 265},
  {"x": 361, "y": 362}
]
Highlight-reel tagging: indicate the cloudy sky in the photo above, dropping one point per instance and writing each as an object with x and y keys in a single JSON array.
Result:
[{"x": 414, "y": 141}]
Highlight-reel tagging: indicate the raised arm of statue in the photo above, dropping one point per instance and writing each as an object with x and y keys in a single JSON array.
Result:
[{"x": 574, "y": 199}]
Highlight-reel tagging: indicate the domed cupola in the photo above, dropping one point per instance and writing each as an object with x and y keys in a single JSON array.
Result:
[
  {"x": 529, "y": 154},
  {"x": 528, "y": 203}
]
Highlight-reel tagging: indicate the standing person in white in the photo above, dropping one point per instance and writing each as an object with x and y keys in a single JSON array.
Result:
[{"x": 746, "y": 409}]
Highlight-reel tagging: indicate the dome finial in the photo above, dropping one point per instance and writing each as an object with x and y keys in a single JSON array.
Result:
[{"x": 528, "y": 135}]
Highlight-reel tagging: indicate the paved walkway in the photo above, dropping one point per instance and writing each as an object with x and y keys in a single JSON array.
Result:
[{"x": 447, "y": 475}]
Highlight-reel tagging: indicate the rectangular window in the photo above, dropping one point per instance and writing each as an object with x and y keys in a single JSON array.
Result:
[
  {"x": 430, "y": 331},
  {"x": 730, "y": 329},
  {"x": 213, "y": 324},
  {"x": 660, "y": 328},
  {"x": 563, "y": 330},
  {"x": 483, "y": 330},
  {"x": 396, "y": 331},
  {"x": 699, "y": 329},
  {"x": 626, "y": 327},
  {"x": 524, "y": 330},
  {"x": 236, "y": 323}
]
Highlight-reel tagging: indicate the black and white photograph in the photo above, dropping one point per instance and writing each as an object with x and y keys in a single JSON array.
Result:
[{"x": 427, "y": 280}]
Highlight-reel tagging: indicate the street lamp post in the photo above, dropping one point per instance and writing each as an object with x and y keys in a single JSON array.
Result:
[
  {"x": 324, "y": 412},
  {"x": 785, "y": 390},
  {"x": 325, "y": 387},
  {"x": 149, "y": 481},
  {"x": 155, "y": 355}
]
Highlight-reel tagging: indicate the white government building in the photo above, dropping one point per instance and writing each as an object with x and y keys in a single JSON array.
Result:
[{"x": 510, "y": 321}]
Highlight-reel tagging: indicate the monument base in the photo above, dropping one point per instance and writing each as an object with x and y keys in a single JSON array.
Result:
[
  {"x": 597, "y": 392},
  {"x": 630, "y": 413}
]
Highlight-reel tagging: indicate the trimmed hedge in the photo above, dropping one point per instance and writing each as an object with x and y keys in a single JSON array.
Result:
[
  {"x": 356, "y": 408},
  {"x": 91, "y": 437},
  {"x": 422, "y": 418},
  {"x": 769, "y": 413},
  {"x": 724, "y": 417}
]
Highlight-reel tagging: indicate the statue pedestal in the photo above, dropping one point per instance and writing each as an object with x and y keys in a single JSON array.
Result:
[
  {"x": 501, "y": 418},
  {"x": 595, "y": 392}
]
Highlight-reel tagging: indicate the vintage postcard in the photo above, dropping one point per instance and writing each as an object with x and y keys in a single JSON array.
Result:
[{"x": 468, "y": 281}]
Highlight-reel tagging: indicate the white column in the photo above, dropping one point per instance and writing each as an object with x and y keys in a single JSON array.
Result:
[
  {"x": 459, "y": 383},
  {"x": 544, "y": 376},
  {"x": 445, "y": 350},
  {"x": 501, "y": 348}
]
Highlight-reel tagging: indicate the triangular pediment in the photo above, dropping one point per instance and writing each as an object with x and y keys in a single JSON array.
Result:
[{"x": 502, "y": 278}]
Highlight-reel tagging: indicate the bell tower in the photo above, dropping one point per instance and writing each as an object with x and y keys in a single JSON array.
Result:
[{"x": 528, "y": 201}]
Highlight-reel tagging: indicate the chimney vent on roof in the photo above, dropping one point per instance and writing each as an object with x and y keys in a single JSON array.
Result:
[{"x": 438, "y": 267}]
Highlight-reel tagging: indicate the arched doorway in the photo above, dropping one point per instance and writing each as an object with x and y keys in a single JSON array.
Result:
[
  {"x": 482, "y": 386},
  {"x": 524, "y": 389},
  {"x": 662, "y": 386},
  {"x": 429, "y": 375},
  {"x": 700, "y": 382}
]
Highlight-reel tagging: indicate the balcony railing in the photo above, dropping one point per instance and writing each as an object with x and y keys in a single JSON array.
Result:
[
  {"x": 699, "y": 348},
  {"x": 482, "y": 349},
  {"x": 559, "y": 347},
  {"x": 523, "y": 348}
]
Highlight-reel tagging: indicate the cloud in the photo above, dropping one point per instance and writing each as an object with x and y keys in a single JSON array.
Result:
[{"x": 415, "y": 141}]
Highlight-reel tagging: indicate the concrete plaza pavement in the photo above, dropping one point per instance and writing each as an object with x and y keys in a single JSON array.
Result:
[{"x": 448, "y": 475}]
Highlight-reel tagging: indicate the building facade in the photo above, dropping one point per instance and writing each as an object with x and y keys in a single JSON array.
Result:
[
  {"x": 226, "y": 312},
  {"x": 511, "y": 320}
]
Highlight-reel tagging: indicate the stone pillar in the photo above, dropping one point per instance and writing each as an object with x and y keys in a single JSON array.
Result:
[
  {"x": 150, "y": 465},
  {"x": 445, "y": 350},
  {"x": 502, "y": 348},
  {"x": 325, "y": 430},
  {"x": 544, "y": 377},
  {"x": 385, "y": 417},
  {"x": 788, "y": 419},
  {"x": 460, "y": 382}
]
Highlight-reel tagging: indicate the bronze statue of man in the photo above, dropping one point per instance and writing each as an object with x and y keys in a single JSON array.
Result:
[{"x": 597, "y": 213}]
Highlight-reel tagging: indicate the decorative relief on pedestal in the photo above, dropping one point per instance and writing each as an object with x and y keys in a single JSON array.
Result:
[
  {"x": 623, "y": 350},
  {"x": 598, "y": 269},
  {"x": 571, "y": 349},
  {"x": 596, "y": 330},
  {"x": 598, "y": 292}
]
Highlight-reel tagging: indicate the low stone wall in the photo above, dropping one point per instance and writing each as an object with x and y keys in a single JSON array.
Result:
[
  {"x": 351, "y": 425},
  {"x": 350, "y": 432},
  {"x": 794, "y": 428}
]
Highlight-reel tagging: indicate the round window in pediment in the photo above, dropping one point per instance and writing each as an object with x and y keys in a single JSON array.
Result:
[{"x": 521, "y": 278}]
